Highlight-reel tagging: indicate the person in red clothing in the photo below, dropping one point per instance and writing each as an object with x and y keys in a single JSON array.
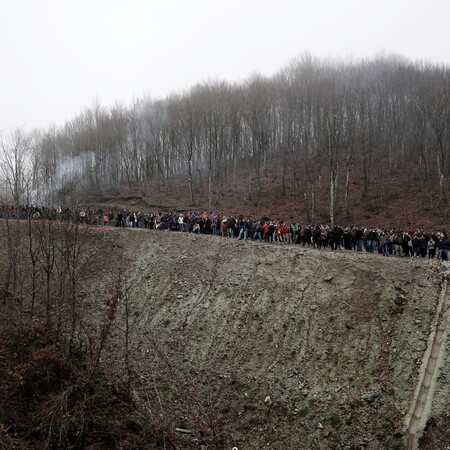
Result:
[
  {"x": 286, "y": 233},
  {"x": 278, "y": 237},
  {"x": 282, "y": 232},
  {"x": 265, "y": 231}
]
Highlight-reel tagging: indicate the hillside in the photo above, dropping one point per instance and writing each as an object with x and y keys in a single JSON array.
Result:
[
  {"x": 211, "y": 343},
  {"x": 284, "y": 347},
  {"x": 399, "y": 199},
  {"x": 353, "y": 143}
]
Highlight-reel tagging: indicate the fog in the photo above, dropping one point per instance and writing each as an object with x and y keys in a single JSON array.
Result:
[{"x": 58, "y": 56}]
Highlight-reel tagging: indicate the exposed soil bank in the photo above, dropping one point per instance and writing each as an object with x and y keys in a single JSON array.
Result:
[{"x": 284, "y": 347}]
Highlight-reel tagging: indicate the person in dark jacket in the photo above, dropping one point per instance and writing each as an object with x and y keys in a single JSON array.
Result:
[
  {"x": 406, "y": 240},
  {"x": 358, "y": 239},
  {"x": 442, "y": 247}
]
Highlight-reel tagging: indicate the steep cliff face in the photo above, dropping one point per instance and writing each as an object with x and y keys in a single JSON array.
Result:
[{"x": 262, "y": 346}]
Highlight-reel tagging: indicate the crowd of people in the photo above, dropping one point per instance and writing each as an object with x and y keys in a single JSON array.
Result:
[
  {"x": 419, "y": 244},
  {"x": 387, "y": 242}
]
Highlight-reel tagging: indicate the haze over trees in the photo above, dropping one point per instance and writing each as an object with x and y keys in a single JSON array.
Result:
[{"x": 325, "y": 125}]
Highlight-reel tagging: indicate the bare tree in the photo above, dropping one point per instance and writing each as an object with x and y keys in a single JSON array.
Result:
[
  {"x": 186, "y": 120},
  {"x": 377, "y": 116},
  {"x": 14, "y": 163},
  {"x": 433, "y": 104},
  {"x": 258, "y": 121},
  {"x": 330, "y": 129}
]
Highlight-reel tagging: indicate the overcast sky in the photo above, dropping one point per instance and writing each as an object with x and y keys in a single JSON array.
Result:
[{"x": 57, "y": 56}]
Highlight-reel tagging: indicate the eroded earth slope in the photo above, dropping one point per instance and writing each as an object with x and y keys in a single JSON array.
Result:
[{"x": 257, "y": 346}]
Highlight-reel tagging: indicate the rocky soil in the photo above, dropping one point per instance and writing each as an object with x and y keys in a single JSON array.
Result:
[{"x": 262, "y": 346}]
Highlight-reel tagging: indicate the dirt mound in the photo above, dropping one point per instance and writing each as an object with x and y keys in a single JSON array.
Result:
[{"x": 263, "y": 346}]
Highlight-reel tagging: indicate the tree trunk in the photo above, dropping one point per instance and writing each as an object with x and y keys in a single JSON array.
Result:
[
  {"x": 191, "y": 188},
  {"x": 210, "y": 183},
  {"x": 333, "y": 193},
  {"x": 347, "y": 188}
]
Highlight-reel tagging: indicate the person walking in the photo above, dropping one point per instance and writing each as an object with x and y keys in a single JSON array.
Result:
[
  {"x": 431, "y": 247},
  {"x": 383, "y": 240},
  {"x": 442, "y": 247}
]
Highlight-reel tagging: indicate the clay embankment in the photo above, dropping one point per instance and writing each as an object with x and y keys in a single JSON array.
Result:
[{"x": 283, "y": 347}]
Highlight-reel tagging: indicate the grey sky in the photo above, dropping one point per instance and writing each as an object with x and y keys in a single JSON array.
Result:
[{"x": 58, "y": 55}]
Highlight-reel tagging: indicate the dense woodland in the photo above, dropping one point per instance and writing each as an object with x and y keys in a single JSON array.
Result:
[
  {"x": 318, "y": 126},
  {"x": 325, "y": 132}
]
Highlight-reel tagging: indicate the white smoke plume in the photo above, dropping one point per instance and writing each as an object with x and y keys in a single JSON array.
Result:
[
  {"x": 71, "y": 168},
  {"x": 69, "y": 174}
]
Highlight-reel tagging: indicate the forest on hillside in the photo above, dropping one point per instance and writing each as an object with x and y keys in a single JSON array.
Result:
[{"x": 321, "y": 128}]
